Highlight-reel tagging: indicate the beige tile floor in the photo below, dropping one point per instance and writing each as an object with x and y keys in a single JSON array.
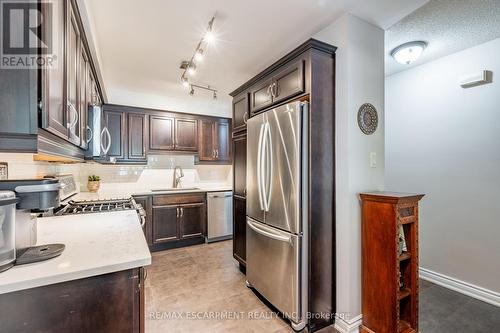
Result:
[{"x": 190, "y": 289}]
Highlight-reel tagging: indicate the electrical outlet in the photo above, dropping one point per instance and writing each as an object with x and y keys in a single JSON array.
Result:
[{"x": 4, "y": 171}]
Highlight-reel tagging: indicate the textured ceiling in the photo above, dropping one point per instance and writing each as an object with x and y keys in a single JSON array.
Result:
[
  {"x": 141, "y": 43},
  {"x": 447, "y": 25}
]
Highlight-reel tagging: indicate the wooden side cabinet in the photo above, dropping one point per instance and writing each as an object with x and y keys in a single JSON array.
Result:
[
  {"x": 111, "y": 302},
  {"x": 390, "y": 262}
]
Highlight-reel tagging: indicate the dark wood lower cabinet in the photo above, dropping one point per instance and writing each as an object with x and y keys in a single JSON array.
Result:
[
  {"x": 105, "y": 303},
  {"x": 165, "y": 224},
  {"x": 191, "y": 217},
  {"x": 239, "y": 227},
  {"x": 178, "y": 220}
]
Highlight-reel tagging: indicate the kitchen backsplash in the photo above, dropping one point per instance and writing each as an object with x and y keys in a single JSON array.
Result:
[{"x": 158, "y": 173}]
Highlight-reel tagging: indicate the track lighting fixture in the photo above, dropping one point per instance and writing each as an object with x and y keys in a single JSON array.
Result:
[
  {"x": 189, "y": 66},
  {"x": 198, "y": 56}
]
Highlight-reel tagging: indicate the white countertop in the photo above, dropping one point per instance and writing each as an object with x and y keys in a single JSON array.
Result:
[
  {"x": 110, "y": 193},
  {"x": 96, "y": 244}
]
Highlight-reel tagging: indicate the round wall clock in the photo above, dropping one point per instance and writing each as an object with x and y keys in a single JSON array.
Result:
[{"x": 367, "y": 118}]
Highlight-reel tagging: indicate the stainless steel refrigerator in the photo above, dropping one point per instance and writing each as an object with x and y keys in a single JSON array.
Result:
[{"x": 277, "y": 208}]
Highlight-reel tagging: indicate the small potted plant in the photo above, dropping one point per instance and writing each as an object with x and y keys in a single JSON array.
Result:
[{"x": 94, "y": 183}]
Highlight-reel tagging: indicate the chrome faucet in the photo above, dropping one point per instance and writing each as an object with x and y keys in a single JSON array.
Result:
[{"x": 178, "y": 174}]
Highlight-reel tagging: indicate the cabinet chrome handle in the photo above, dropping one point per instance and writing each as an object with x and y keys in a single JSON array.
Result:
[
  {"x": 245, "y": 117},
  {"x": 74, "y": 113},
  {"x": 216, "y": 153},
  {"x": 90, "y": 134},
  {"x": 177, "y": 212},
  {"x": 270, "y": 90},
  {"x": 105, "y": 150},
  {"x": 182, "y": 212},
  {"x": 274, "y": 90}
]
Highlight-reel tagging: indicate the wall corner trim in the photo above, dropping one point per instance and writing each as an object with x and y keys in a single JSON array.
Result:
[
  {"x": 482, "y": 294},
  {"x": 348, "y": 326}
]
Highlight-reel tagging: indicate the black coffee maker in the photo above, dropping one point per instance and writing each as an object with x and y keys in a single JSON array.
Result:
[{"x": 34, "y": 196}]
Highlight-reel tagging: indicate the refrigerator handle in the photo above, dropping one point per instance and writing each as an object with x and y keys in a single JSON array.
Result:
[
  {"x": 259, "y": 167},
  {"x": 268, "y": 233},
  {"x": 269, "y": 167}
]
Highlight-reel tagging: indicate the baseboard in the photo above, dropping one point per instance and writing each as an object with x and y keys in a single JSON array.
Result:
[
  {"x": 462, "y": 287},
  {"x": 348, "y": 326}
]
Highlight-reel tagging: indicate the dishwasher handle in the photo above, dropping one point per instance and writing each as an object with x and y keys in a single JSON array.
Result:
[{"x": 220, "y": 196}]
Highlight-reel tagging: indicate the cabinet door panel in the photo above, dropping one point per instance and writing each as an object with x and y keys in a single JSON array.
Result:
[
  {"x": 239, "y": 227},
  {"x": 260, "y": 96},
  {"x": 186, "y": 134},
  {"x": 240, "y": 165},
  {"x": 54, "y": 117},
  {"x": 207, "y": 141},
  {"x": 115, "y": 122},
  {"x": 73, "y": 68},
  {"x": 223, "y": 149},
  {"x": 161, "y": 133},
  {"x": 289, "y": 81},
  {"x": 165, "y": 224},
  {"x": 240, "y": 112},
  {"x": 136, "y": 136},
  {"x": 83, "y": 101},
  {"x": 193, "y": 219}
]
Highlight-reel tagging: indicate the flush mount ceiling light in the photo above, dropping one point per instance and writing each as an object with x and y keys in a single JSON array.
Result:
[
  {"x": 189, "y": 66},
  {"x": 408, "y": 52}
]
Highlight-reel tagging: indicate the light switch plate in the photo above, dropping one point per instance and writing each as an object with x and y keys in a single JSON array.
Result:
[
  {"x": 4, "y": 171},
  {"x": 373, "y": 160}
]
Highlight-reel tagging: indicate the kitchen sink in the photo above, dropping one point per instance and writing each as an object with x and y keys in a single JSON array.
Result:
[{"x": 174, "y": 189}]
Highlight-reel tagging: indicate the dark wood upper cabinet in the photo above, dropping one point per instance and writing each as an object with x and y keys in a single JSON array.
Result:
[
  {"x": 53, "y": 78},
  {"x": 84, "y": 97},
  {"x": 206, "y": 133},
  {"x": 192, "y": 217},
  {"x": 240, "y": 112},
  {"x": 73, "y": 57},
  {"x": 214, "y": 143},
  {"x": 261, "y": 95},
  {"x": 115, "y": 123},
  {"x": 289, "y": 81},
  {"x": 136, "y": 136},
  {"x": 223, "y": 139},
  {"x": 186, "y": 134},
  {"x": 44, "y": 110},
  {"x": 286, "y": 82},
  {"x": 161, "y": 133}
]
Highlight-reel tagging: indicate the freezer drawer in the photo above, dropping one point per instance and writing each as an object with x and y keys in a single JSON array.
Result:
[{"x": 273, "y": 267}]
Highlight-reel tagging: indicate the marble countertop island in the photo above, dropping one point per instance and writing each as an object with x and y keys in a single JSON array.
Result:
[{"x": 96, "y": 244}]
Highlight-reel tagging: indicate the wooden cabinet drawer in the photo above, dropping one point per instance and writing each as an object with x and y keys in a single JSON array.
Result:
[{"x": 175, "y": 199}]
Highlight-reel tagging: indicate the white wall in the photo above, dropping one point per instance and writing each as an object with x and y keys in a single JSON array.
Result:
[
  {"x": 443, "y": 140},
  {"x": 174, "y": 100},
  {"x": 359, "y": 79}
]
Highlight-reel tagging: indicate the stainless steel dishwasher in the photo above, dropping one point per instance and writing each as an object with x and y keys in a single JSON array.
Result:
[{"x": 220, "y": 216}]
